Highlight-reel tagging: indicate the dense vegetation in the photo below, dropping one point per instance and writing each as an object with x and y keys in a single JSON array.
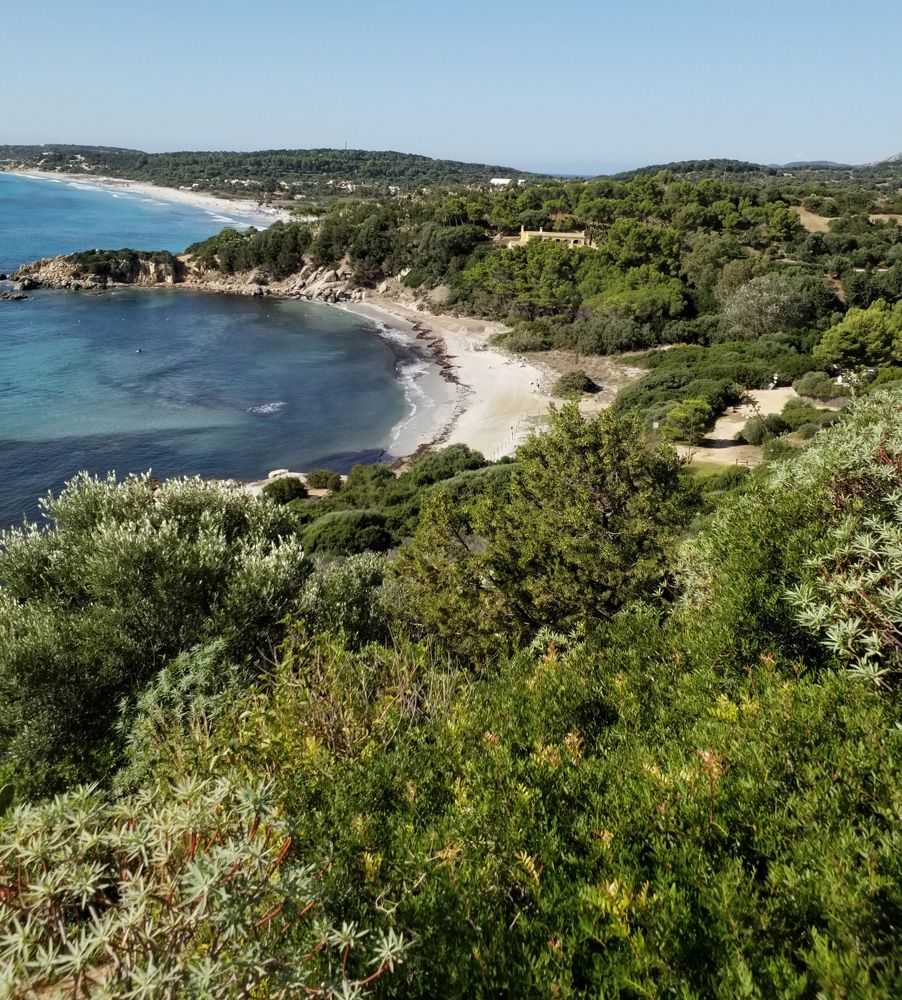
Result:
[
  {"x": 263, "y": 173},
  {"x": 718, "y": 259},
  {"x": 580, "y": 723},
  {"x": 597, "y": 728}
]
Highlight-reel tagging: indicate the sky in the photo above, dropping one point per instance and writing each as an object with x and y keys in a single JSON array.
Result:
[{"x": 575, "y": 87}]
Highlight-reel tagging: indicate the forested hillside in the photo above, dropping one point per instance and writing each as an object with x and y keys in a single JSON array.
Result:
[
  {"x": 265, "y": 173},
  {"x": 723, "y": 273}
]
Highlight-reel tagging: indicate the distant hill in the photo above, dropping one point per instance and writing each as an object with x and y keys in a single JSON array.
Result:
[
  {"x": 705, "y": 168},
  {"x": 280, "y": 172},
  {"x": 818, "y": 165}
]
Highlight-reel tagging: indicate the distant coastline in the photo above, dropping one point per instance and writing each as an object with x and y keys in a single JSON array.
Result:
[{"x": 251, "y": 211}]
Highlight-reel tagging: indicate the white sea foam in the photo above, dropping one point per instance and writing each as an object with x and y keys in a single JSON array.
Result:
[
  {"x": 409, "y": 373},
  {"x": 265, "y": 408},
  {"x": 393, "y": 336}
]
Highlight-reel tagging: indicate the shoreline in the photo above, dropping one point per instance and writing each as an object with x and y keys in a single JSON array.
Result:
[
  {"x": 467, "y": 392},
  {"x": 499, "y": 397},
  {"x": 250, "y": 211}
]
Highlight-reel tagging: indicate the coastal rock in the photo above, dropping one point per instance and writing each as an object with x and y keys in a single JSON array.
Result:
[
  {"x": 13, "y": 296},
  {"x": 310, "y": 283}
]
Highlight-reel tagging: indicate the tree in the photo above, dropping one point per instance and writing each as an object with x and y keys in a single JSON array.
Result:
[
  {"x": 689, "y": 420},
  {"x": 871, "y": 336},
  {"x": 285, "y": 489},
  {"x": 763, "y": 305},
  {"x": 585, "y": 526}
]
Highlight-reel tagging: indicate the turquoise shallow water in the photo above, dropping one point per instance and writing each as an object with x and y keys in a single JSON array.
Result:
[
  {"x": 44, "y": 217},
  {"x": 173, "y": 381}
]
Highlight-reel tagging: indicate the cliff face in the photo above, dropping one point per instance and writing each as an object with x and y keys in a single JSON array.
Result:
[
  {"x": 64, "y": 272},
  {"x": 321, "y": 284}
]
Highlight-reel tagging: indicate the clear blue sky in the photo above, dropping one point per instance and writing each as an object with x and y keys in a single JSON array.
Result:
[{"x": 571, "y": 86}]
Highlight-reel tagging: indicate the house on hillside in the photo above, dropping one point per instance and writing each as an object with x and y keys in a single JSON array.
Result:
[{"x": 573, "y": 238}]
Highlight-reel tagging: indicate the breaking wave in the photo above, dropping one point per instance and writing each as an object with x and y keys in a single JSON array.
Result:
[{"x": 266, "y": 408}]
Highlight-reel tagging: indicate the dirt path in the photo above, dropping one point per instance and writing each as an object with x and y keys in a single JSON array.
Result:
[{"x": 719, "y": 446}]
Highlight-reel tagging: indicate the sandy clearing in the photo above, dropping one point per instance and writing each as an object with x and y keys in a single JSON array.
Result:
[
  {"x": 718, "y": 447},
  {"x": 813, "y": 223}
]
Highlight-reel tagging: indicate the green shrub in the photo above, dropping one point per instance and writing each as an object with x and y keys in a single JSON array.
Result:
[
  {"x": 131, "y": 574},
  {"x": 886, "y": 375},
  {"x": 575, "y": 383},
  {"x": 797, "y": 413},
  {"x": 415, "y": 278},
  {"x": 324, "y": 479},
  {"x": 760, "y": 429},
  {"x": 778, "y": 450},
  {"x": 819, "y": 385},
  {"x": 346, "y": 598},
  {"x": 285, "y": 489},
  {"x": 849, "y": 594},
  {"x": 645, "y": 812},
  {"x": 434, "y": 466},
  {"x": 366, "y": 486},
  {"x": 346, "y": 532},
  {"x": 736, "y": 574},
  {"x": 726, "y": 479},
  {"x": 522, "y": 340}
]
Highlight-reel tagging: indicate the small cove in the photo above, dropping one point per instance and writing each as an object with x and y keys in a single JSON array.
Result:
[{"x": 177, "y": 382}]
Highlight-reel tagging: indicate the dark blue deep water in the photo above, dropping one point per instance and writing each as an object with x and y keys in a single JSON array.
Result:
[{"x": 172, "y": 381}]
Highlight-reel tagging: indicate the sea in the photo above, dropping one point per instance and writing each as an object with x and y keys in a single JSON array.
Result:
[{"x": 177, "y": 382}]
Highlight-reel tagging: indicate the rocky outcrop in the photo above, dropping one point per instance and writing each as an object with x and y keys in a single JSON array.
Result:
[
  {"x": 66, "y": 272},
  {"x": 324, "y": 284}
]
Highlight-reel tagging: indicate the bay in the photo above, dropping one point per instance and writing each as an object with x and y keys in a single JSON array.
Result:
[{"x": 172, "y": 381}]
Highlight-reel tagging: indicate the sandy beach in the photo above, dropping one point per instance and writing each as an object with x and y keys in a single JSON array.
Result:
[
  {"x": 248, "y": 210},
  {"x": 499, "y": 398}
]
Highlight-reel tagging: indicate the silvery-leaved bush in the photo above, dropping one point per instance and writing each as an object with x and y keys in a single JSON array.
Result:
[{"x": 184, "y": 890}]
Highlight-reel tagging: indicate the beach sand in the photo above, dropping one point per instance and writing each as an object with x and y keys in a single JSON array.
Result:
[
  {"x": 248, "y": 210},
  {"x": 499, "y": 398}
]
